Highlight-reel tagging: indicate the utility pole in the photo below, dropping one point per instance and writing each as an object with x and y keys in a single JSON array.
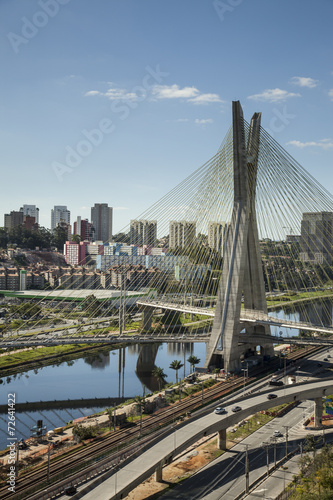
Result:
[
  {"x": 285, "y": 370},
  {"x": 48, "y": 462},
  {"x": 120, "y": 306},
  {"x": 124, "y": 279},
  {"x": 274, "y": 441},
  {"x": 247, "y": 473},
  {"x": 245, "y": 370},
  {"x": 140, "y": 403},
  {"x": 267, "y": 458},
  {"x": 286, "y": 427}
]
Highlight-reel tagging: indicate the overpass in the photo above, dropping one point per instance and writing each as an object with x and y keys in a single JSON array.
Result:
[
  {"x": 181, "y": 437},
  {"x": 18, "y": 342},
  {"x": 248, "y": 316}
]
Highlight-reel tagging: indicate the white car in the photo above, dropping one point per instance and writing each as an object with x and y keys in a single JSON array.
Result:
[
  {"x": 219, "y": 410},
  {"x": 277, "y": 434}
]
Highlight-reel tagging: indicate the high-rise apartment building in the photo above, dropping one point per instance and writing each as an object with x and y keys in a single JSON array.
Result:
[
  {"x": 84, "y": 229},
  {"x": 143, "y": 232},
  {"x": 31, "y": 211},
  {"x": 15, "y": 218},
  {"x": 317, "y": 237},
  {"x": 217, "y": 233},
  {"x": 181, "y": 234},
  {"x": 101, "y": 218},
  {"x": 59, "y": 214}
]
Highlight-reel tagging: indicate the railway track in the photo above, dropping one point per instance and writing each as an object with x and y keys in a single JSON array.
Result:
[{"x": 83, "y": 456}]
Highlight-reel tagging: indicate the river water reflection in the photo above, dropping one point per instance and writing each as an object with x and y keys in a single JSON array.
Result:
[{"x": 115, "y": 373}]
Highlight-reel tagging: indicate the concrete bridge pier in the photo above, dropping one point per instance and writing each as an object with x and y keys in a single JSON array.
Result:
[
  {"x": 147, "y": 317},
  {"x": 222, "y": 439},
  {"x": 318, "y": 413},
  {"x": 158, "y": 474}
]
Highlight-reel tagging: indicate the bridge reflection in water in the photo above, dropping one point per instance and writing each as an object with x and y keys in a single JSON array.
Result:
[{"x": 146, "y": 361}]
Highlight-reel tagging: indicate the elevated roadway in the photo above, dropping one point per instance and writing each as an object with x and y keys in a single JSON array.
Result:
[
  {"x": 123, "y": 481},
  {"x": 248, "y": 316},
  {"x": 58, "y": 340}
]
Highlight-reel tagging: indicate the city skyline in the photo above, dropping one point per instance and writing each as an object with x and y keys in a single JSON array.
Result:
[{"x": 72, "y": 71}]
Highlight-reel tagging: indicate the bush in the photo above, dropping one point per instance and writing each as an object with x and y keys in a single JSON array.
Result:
[{"x": 82, "y": 433}]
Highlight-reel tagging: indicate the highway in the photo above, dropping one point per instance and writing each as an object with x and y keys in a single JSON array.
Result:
[
  {"x": 225, "y": 476},
  {"x": 142, "y": 467}
]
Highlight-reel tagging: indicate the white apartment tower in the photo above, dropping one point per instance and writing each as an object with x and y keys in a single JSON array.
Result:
[
  {"x": 181, "y": 234},
  {"x": 59, "y": 214},
  {"x": 143, "y": 232},
  {"x": 217, "y": 233},
  {"x": 32, "y": 211}
]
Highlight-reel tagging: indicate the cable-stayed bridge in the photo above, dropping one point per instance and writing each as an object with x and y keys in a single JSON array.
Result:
[{"x": 220, "y": 236}]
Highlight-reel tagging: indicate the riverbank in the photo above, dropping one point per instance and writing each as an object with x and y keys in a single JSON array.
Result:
[{"x": 33, "y": 358}]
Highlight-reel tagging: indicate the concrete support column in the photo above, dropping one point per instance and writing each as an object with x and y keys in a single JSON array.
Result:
[
  {"x": 158, "y": 474},
  {"x": 147, "y": 316},
  {"x": 222, "y": 439},
  {"x": 318, "y": 412}
]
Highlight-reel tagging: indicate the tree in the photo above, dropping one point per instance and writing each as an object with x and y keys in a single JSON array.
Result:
[
  {"x": 91, "y": 305},
  {"x": 193, "y": 360},
  {"x": 3, "y": 237},
  {"x": 160, "y": 375},
  {"x": 59, "y": 238},
  {"x": 76, "y": 238},
  {"x": 176, "y": 365}
]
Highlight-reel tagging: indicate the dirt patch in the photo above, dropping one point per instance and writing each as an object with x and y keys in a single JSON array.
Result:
[{"x": 184, "y": 466}]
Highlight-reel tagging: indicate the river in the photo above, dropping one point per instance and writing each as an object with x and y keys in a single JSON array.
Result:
[{"x": 103, "y": 374}]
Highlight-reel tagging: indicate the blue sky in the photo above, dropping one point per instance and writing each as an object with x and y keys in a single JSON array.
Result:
[{"x": 117, "y": 101}]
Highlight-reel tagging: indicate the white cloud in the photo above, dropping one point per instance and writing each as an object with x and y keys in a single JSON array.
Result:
[
  {"x": 206, "y": 99},
  {"x": 174, "y": 92},
  {"x": 93, "y": 92},
  {"x": 330, "y": 93},
  {"x": 180, "y": 120},
  {"x": 203, "y": 122},
  {"x": 273, "y": 95},
  {"x": 189, "y": 94},
  {"x": 120, "y": 208},
  {"x": 303, "y": 81},
  {"x": 323, "y": 143},
  {"x": 115, "y": 94}
]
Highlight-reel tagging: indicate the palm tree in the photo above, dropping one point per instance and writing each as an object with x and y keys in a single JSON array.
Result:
[
  {"x": 159, "y": 374},
  {"x": 176, "y": 365},
  {"x": 193, "y": 360}
]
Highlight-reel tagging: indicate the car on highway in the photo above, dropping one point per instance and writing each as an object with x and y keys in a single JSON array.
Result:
[
  {"x": 220, "y": 411},
  {"x": 325, "y": 359},
  {"x": 319, "y": 364},
  {"x": 236, "y": 408},
  {"x": 277, "y": 434},
  {"x": 271, "y": 396}
]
